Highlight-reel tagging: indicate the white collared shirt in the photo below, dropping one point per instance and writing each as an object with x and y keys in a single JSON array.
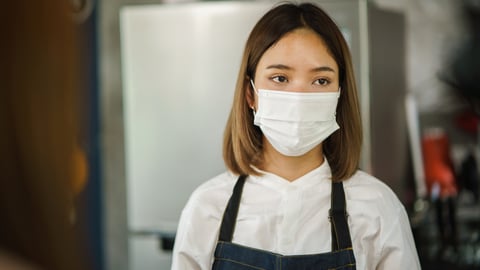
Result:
[{"x": 291, "y": 218}]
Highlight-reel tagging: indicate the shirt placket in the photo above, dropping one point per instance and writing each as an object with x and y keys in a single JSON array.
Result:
[{"x": 290, "y": 210}]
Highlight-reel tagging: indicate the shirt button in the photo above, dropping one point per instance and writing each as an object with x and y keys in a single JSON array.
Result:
[{"x": 287, "y": 240}]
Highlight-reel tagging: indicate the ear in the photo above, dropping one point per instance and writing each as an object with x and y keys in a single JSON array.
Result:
[{"x": 249, "y": 94}]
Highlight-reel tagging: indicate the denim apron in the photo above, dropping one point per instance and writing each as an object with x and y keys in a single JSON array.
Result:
[{"x": 231, "y": 256}]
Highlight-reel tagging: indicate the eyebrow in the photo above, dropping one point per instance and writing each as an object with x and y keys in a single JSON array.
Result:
[{"x": 285, "y": 67}]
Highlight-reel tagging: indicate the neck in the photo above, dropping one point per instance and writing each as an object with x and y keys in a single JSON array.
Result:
[{"x": 290, "y": 168}]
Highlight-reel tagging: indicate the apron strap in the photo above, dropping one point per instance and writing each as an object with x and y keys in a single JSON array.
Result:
[
  {"x": 230, "y": 215},
  {"x": 338, "y": 217}
]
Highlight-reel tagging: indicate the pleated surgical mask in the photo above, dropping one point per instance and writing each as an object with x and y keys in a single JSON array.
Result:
[{"x": 295, "y": 122}]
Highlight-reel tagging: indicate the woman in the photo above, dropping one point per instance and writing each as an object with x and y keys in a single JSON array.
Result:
[{"x": 292, "y": 145}]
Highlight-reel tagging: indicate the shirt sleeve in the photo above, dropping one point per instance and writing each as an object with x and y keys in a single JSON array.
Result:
[
  {"x": 398, "y": 249},
  {"x": 196, "y": 238},
  {"x": 183, "y": 257}
]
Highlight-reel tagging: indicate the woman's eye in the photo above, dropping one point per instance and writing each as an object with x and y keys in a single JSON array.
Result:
[
  {"x": 322, "y": 82},
  {"x": 279, "y": 79}
]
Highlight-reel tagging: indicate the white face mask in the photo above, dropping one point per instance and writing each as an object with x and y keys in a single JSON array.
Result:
[{"x": 295, "y": 122}]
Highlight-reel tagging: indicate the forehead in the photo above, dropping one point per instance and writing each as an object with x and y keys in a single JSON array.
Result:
[{"x": 300, "y": 48}]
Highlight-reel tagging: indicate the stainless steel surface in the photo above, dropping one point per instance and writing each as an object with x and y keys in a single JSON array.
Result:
[{"x": 389, "y": 147}]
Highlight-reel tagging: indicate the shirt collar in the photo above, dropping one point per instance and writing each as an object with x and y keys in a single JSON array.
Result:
[{"x": 314, "y": 177}]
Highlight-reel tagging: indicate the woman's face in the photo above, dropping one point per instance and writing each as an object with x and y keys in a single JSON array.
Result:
[{"x": 298, "y": 62}]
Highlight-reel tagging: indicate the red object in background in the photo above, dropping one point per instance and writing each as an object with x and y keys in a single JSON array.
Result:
[
  {"x": 468, "y": 122},
  {"x": 437, "y": 162}
]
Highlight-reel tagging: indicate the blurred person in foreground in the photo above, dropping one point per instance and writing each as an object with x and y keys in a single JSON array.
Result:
[{"x": 41, "y": 165}]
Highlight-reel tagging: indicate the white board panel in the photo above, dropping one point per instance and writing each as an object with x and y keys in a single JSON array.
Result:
[{"x": 180, "y": 64}]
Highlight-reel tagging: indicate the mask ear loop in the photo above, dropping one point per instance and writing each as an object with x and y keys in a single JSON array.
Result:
[
  {"x": 255, "y": 90},
  {"x": 253, "y": 85},
  {"x": 338, "y": 97}
]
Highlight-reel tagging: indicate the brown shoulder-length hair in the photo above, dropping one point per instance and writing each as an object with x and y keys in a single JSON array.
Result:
[{"x": 242, "y": 144}]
